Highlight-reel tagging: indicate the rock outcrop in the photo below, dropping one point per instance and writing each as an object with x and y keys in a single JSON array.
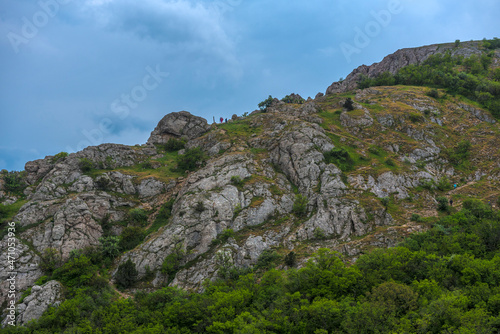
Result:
[{"x": 178, "y": 125}]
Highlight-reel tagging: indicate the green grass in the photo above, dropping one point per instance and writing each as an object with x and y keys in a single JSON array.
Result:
[{"x": 239, "y": 129}]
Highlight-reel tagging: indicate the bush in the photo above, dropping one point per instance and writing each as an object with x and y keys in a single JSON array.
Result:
[
  {"x": 126, "y": 275},
  {"x": 433, "y": 93},
  {"x": 390, "y": 162},
  {"x": 442, "y": 204},
  {"x": 385, "y": 201},
  {"x": 266, "y": 103},
  {"x": 102, "y": 183},
  {"x": 223, "y": 237},
  {"x": 267, "y": 259},
  {"x": 50, "y": 260},
  {"x": 415, "y": 217},
  {"x": 138, "y": 217},
  {"x": 348, "y": 104},
  {"x": 457, "y": 43},
  {"x": 191, "y": 160},
  {"x": 172, "y": 262},
  {"x": 341, "y": 158},
  {"x": 85, "y": 165},
  {"x": 444, "y": 184},
  {"x": 13, "y": 182},
  {"x": 237, "y": 181},
  {"x": 59, "y": 156},
  {"x": 291, "y": 259},
  {"x": 109, "y": 246},
  {"x": 76, "y": 272},
  {"x": 174, "y": 144},
  {"x": 300, "y": 205},
  {"x": 319, "y": 234},
  {"x": 130, "y": 237}
]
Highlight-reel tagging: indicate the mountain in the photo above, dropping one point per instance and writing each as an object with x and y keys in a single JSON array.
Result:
[{"x": 352, "y": 170}]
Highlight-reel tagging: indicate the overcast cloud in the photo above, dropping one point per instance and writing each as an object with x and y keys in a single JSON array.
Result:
[{"x": 77, "y": 73}]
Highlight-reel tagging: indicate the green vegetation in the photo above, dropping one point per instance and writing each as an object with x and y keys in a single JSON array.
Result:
[
  {"x": 130, "y": 237},
  {"x": 163, "y": 216},
  {"x": 138, "y": 217},
  {"x": 349, "y": 104},
  {"x": 471, "y": 77},
  {"x": 300, "y": 205},
  {"x": 14, "y": 182},
  {"x": 59, "y": 156},
  {"x": 341, "y": 158},
  {"x": 174, "y": 144},
  {"x": 223, "y": 237},
  {"x": 126, "y": 275},
  {"x": 444, "y": 280},
  {"x": 293, "y": 99},
  {"x": 86, "y": 166},
  {"x": 191, "y": 160},
  {"x": 172, "y": 262},
  {"x": 266, "y": 103}
]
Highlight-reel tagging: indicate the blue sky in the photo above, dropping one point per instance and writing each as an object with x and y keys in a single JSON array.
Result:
[{"x": 79, "y": 73}]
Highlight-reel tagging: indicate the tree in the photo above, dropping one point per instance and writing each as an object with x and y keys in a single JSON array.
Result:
[
  {"x": 266, "y": 103},
  {"x": 126, "y": 275},
  {"x": 300, "y": 205}
]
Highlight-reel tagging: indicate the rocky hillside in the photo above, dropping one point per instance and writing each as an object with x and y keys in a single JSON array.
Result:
[{"x": 199, "y": 199}]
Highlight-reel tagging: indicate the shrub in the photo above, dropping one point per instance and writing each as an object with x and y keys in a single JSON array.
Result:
[
  {"x": 267, "y": 259},
  {"x": 59, "y": 156},
  {"x": 374, "y": 150},
  {"x": 291, "y": 259},
  {"x": 13, "y": 182},
  {"x": 385, "y": 201},
  {"x": 174, "y": 144},
  {"x": 85, "y": 165},
  {"x": 237, "y": 181},
  {"x": 442, "y": 204},
  {"x": 300, "y": 205},
  {"x": 415, "y": 217},
  {"x": 223, "y": 237},
  {"x": 76, "y": 272},
  {"x": 191, "y": 160},
  {"x": 109, "y": 246},
  {"x": 348, "y": 104},
  {"x": 138, "y": 217},
  {"x": 126, "y": 275},
  {"x": 319, "y": 234},
  {"x": 130, "y": 237},
  {"x": 428, "y": 184},
  {"x": 457, "y": 43},
  {"x": 390, "y": 162},
  {"x": 50, "y": 260},
  {"x": 266, "y": 103},
  {"x": 294, "y": 98},
  {"x": 444, "y": 184},
  {"x": 341, "y": 158},
  {"x": 172, "y": 262},
  {"x": 433, "y": 93},
  {"x": 416, "y": 118}
]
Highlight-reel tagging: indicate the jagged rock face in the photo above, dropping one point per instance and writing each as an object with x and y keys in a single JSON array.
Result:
[
  {"x": 26, "y": 267},
  {"x": 178, "y": 124},
  {"x": 399, "y": 59},
  {"x": 33, "y": 306}
]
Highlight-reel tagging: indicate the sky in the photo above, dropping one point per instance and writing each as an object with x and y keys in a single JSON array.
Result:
[{"x": 76, "y": 73}]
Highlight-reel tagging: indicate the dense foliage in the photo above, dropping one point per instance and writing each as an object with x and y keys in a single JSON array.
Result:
[
  {"x": 472, "y": 77},
  {"x": 444, "y": 280}
]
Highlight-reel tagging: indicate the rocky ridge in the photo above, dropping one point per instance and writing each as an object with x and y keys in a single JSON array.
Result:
[{"x": 245, "y": 199}]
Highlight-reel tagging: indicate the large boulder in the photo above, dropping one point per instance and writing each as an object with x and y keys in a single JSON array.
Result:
[
  {"x": 41, "y": 298},
  {"x": 178, "y": 125}
]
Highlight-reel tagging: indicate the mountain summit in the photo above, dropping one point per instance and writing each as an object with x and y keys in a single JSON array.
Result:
[{"x": 352, "y": 170}]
